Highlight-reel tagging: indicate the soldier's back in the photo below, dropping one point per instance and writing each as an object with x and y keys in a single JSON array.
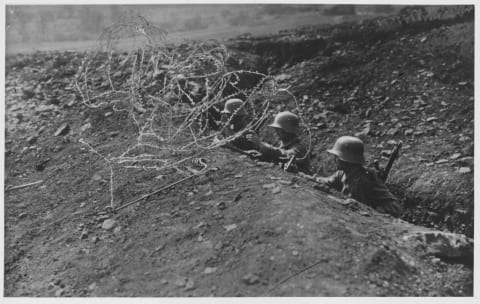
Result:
[{"x": 365, "y": 186}]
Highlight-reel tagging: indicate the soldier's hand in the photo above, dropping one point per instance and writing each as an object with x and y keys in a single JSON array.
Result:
[
  {"x": 304, "y": 175},
  {"x": 254, "y": 153},
  {"x": 352, "y": 204},
  {"x": 253, "y": 137},
  {"x": 322, "y": 187},
  {"x": 224, "y": 118},
  {"x": 310, "y": 177},
  {"x": 320, "y": 179}
]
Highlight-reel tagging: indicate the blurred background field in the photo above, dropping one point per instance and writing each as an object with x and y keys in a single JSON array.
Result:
[{"x": 76, "y": 27}]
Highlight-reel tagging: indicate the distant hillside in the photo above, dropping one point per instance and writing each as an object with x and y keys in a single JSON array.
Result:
[{"x": 44, "y": 23}]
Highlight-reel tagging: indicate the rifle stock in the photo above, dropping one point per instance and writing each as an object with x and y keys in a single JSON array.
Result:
[
  {"x": 289, "y": 163},
  {"x": 393, "y": 157},
  {"x": 259, "y": 124}
]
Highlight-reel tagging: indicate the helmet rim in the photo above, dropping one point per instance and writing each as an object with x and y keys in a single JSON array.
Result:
[
  {"x": 237, "y": 104},
  {"x": 290, "y": 125},
  {"x": 360, "y": 160},
  {"x": 349, "y": 149}
]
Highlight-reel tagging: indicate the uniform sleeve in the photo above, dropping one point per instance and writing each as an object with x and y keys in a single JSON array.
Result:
[
  {"x": 227, "y": 132},
  {"x": 243, "y": 143},
  {"x": 299, "y": 150},
  {"x": 302, "y": 159},
  {"x": 272, "y": 152},
  {"x": 333, "y": 181}
]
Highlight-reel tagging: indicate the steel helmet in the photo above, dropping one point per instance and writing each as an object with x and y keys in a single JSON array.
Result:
[
  {"x": 234, "y": 105},
  {"x": 349, "y": 149},
  {"x": 286, "y": 121}
]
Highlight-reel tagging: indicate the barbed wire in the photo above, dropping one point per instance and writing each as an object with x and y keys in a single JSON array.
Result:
[{"x": 171, "y": 94}]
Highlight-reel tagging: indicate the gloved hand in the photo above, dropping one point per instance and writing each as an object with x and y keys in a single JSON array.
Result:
[
  {"x": 352, "y": 204},
  {"x": 253, "y": 137},
  {"x": 254, "y": 153},
  {"x": 322, "y": 187},
  {"x": 310, "y": 177}
]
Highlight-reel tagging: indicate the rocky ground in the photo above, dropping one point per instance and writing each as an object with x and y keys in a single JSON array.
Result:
[
  {"x": 414, "y": 84},
  {"x": 248, "y": 228}
]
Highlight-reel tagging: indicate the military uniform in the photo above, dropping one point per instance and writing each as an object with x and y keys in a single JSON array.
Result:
[
  {"x": 240, "y": 142},
  {"x": 286, "y": 151},
  {"x": 364, "y": 186},
  {"x": 235, "y": 107}
]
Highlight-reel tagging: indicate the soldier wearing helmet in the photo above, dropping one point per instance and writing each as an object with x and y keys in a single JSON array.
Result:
[
  {"x": 286, "y": 126},
  {"x": 234, "y": 115},
  {"x": 355, "y": 181}
]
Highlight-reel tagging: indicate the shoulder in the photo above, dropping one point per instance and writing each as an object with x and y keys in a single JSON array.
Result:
[
  {"x": 298, "y": 146},
  {"x": 370, "y": 175},
  {"x": 363, "y": 174},
  {"x": 369, "y": 172}
]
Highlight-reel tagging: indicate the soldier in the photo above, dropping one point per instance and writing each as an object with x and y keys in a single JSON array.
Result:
[
  {"x": 286, "y": 125},
  {"x": 355, "y": 181},
  {"x": 235, "y": 114}
]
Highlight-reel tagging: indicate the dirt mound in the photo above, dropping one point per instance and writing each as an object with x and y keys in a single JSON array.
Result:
[{"x": 242, "y": 230}]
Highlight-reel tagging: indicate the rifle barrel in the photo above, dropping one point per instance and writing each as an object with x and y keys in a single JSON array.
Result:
[{"x": 393, "y": 156}]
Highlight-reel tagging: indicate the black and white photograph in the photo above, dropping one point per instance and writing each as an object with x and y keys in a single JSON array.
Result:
[{"x": 239, "y": 150}]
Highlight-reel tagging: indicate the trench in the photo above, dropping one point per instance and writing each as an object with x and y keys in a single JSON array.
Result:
[
  {"x": 445, "y": 206},
  {"x": 275, "y": 53},
  {"x": 426, "y": 200}
]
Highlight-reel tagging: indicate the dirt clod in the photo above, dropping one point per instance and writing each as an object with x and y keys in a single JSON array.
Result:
[
  {"x": 464, "y": 170},
  {"x": 84, "y": 235},
  {"x": 210, "y": 270},
  {"x": 62, "y": 130},
  {"x": 109, "y": 224},
  {"x": 250, "y": 279},
  {"x": 230, "y": 227}
]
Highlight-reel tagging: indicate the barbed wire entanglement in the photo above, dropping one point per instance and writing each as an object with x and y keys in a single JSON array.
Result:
[{"x": 172, "y": 93}]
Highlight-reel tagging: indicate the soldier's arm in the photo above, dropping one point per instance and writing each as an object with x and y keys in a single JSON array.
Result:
[
  {"x": 333, "y": 181},
  {"x": 227, "y": 131},
  {"x": 387, "y": 201},
  {"x": 298, "y": 150},
  {"x": 271, "y": 152}
]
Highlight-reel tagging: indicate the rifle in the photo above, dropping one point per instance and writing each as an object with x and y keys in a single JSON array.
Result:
[
  {"x": 286, "y": 167},
  {"x": 252, "y": 154},
  {"x": 393, "y": 156},
  {"x": 259, "y": 124}
]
